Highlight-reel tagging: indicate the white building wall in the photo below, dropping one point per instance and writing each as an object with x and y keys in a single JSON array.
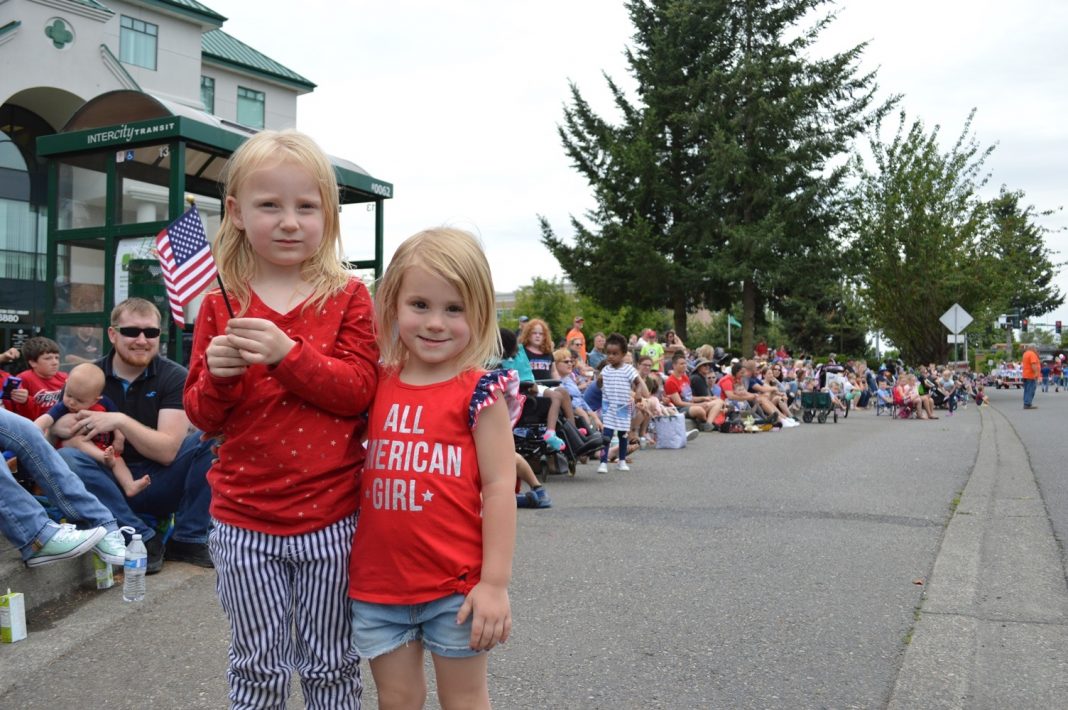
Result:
[
  {"x": 177, "y": 73},
  {"x": 29, "y": 61},
  {"x": 280, "y": 109}
]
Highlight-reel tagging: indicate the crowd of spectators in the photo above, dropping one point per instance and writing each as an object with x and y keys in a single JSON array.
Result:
[{"x": 717, "y": 392}]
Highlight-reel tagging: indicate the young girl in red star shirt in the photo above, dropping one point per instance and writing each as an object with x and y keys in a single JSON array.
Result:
[
  {"x": 286, "y": 384},
  {"x": 432, "y": 556}
]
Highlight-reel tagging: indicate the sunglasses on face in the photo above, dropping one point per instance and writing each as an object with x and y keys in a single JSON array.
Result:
[
  {"x": 566, "y": 362},
  {"x": 132, "y": 331}
]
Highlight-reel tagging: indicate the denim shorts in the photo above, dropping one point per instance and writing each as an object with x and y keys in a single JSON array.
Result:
[{"x": 378, "y": 629}]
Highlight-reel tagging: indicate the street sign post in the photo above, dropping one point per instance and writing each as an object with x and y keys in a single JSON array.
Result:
[{"x": 956, "y": 319}]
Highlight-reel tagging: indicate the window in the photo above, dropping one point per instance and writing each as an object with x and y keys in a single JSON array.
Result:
[
  {"x": 137, "y": 42},
  {"x": 207, "y": 93},
  {"x": 250, "y": 107}
]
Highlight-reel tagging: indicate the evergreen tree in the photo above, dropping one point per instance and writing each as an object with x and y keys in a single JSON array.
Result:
[{"x": 717, "y": 184}]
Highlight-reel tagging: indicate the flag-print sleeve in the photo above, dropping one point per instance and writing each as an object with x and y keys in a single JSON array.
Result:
[
  {"x": 208, "y": 399},
  {"x": 342, "y": 379}
]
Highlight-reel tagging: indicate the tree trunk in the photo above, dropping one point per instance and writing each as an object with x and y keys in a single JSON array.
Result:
[
  {"x": 679, "y": 309},
  {"x": 748, "y": 316}
]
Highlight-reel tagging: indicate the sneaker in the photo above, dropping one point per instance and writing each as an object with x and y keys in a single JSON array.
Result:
[
  {"x": 603, "y": 468},
  {"x": 195, "y": 553},
  {"x": 555, "y": 443},
  {"x": 112, "y": 548},
  {"x": 155, "y": 548},
  {"x": 543, "y": 499},
  {"x": 68, "y": 542},
  {"x": 705, "y": 426},
  {"x": 691, "y": 434},
  {"x": 622, "y": 465}
]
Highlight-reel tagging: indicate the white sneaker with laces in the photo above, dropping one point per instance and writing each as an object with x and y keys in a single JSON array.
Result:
[
  {"x": 112, "y": 548},
  {"x": 622, "y": 466},
  {"x": 603, "y": 468},
  {"x": 68, "y": 541},
  {"x": 692, "y": 434}
]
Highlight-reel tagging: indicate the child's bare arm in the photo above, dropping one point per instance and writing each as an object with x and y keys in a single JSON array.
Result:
[
  {"x": 488, "y": 601},
  {"x": 118, "y": 442},
  {"x": 44, "y": 423}
]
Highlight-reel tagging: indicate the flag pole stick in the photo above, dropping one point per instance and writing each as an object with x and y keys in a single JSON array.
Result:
[{"x": 226, "y": 298}]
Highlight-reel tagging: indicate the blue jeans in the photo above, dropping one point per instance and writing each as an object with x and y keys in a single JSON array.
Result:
[
  {"x": 22, "y": 519},
  {"x": 1029, "y": 387},
  {"x": 180, "y": 488}
]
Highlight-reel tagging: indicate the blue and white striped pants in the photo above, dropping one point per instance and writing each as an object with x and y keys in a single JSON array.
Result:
[{"x": 267, "y": 584}]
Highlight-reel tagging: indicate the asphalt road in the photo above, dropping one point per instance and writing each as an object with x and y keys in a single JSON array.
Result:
[{"x": 775, "y": 570}]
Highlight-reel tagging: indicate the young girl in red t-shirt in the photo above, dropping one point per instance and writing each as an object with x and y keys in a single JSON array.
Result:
[
  {"x": 286, "y": 385},
  {"x": 432, "y": 556}
]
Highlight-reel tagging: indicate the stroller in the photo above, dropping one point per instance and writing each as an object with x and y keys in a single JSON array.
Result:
[{"x": 529, "y": 432}]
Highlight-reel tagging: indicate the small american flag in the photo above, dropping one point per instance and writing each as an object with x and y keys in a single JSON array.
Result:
[{"x": 186, "y": 259}]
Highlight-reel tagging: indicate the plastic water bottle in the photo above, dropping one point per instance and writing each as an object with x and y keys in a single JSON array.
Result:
[{"x": 133, "y": 583}]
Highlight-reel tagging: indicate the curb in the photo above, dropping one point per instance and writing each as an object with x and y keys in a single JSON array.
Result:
[{"x": 992, "y": 631}]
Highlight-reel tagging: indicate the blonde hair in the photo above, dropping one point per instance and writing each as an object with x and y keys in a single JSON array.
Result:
[
  {"x": 457, "y": 257},
  {"x": 86, "y": 380},
  {"x": 233, "y": 253},
  {"x": 547, "y": 340},
  {"x": 561, "y": 354}
]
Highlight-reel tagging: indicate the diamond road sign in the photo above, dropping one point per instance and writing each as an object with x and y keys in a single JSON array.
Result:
[{"x": 955, "y": 319}]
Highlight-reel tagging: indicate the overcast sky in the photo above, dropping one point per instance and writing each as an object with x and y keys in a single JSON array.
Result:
[{"x": 457, "y": 103}]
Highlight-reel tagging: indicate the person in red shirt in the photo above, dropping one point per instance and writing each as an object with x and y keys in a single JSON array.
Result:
[
  {"x": 43, "y": 380},
  {"x": 679, "y": 392},
  {"x": 13, "y": 392},
  {"x": 432, "y": 558},
  {"x": 286, "y": 383}
]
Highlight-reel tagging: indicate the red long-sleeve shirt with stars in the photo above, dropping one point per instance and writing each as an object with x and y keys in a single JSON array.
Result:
[{"x": 291, "y": 453}]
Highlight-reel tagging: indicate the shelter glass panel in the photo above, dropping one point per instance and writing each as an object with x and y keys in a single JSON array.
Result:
[
  {"x": 82, "y": 191},
  {"x": 79, "y": 286},
  {"x": 79, "y": 343},
  {"x": 144, "y": 184}
]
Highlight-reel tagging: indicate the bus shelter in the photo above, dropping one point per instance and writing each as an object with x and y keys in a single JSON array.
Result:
[{"x": 119, "y": 172}]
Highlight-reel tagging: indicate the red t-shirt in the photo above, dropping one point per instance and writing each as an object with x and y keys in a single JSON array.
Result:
[
  {"x": 420, "y": 531},
  {"x": 726, "y": 384},
  {"x": 679, "y": 386},
  {"x": 43, "y": 393},
  {"x": 291, "y": 455}
]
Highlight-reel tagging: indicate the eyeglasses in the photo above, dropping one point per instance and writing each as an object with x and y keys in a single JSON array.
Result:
[{"x": 132, "y": 331}]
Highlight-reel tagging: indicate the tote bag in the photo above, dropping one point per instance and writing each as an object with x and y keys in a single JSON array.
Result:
[{"x": 671, "y": 431}]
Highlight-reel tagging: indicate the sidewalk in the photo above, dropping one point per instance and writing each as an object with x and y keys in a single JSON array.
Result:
[{"x": 992, "y": 630}]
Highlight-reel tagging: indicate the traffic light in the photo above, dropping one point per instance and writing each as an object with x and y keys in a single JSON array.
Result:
[
  {"x": 1057, "y": 327},
  {"x": 1023, "y": 325}
]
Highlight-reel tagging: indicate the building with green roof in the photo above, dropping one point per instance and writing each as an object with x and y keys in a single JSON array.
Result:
[{"x": 112, "y": 115}]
